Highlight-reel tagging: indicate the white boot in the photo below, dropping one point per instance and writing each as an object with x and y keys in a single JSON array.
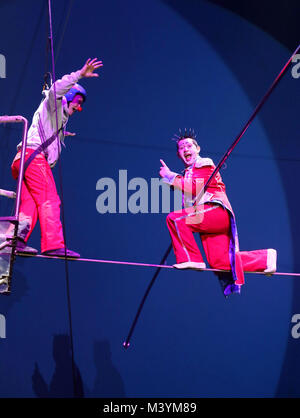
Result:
[
  {"x": 190, "y": 265},
  {"x": 271, "y": 261}
]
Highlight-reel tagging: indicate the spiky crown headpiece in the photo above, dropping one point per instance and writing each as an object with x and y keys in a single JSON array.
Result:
[{"x": 187, "y": 133}]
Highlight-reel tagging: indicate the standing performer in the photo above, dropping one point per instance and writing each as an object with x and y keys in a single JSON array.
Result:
[
  {"x": 39, "y": 198},
  {"x": 212, "y": 216}
]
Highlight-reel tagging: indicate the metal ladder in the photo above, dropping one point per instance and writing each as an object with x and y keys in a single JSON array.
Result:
[{"x": 8, "y": 244}]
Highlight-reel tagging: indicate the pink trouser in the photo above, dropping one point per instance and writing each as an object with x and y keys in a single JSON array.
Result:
[
  {"x": 214, "y": 229},
  {"x": 39, "y": 199}
]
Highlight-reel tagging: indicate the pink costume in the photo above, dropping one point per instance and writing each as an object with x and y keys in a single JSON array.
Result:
[
  {"x": 39, "y": 196},
  {"x": 216, "y": 225}
]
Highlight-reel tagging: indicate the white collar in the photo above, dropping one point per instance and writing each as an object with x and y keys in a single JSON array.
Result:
[{"x": 202, "y": 162}]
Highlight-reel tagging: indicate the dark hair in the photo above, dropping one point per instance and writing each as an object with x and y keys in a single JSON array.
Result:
[{"x": 188, "y": 133}]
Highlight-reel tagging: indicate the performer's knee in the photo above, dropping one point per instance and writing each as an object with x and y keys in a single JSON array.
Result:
[{"x": 171, "y": 218}]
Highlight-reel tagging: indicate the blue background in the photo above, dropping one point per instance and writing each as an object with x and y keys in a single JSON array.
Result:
[{"x": 167, "y": 65}]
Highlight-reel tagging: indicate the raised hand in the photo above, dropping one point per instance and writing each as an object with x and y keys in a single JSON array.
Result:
[
  {"x": 89, "y": 67},
  {"x": 164, "y": 169}
]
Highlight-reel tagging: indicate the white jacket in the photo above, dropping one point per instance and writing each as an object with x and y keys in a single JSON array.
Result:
[{"x": 42, "y": 130}]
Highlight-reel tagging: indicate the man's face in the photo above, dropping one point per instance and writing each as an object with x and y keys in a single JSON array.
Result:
[
  {"x": 188, "y": 151},
  {"x": 75, "y": 104}
]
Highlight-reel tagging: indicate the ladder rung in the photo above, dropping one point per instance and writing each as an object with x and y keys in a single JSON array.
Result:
[
  {"x": 8, "y": 219},
  {"x": 11, "y": 119}
]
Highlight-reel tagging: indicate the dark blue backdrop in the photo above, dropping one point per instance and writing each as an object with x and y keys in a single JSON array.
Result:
[{"x": 165, "y": 67}]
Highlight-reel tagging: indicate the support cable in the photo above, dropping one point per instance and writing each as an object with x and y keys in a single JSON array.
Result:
[{"x": 62, "y": 205}]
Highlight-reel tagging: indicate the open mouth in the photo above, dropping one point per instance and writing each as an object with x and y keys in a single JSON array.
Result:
[{"x": 188, "y": 156}]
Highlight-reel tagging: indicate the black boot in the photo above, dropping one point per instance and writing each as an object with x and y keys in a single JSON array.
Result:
[
  {"x": 22, "y": 248},
  {"x": 61, "y": 252}
]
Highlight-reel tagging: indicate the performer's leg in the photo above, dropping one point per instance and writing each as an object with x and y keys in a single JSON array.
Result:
[
  {"x": 28, "y": 214},
  {"x": 216, "y": 248},
  {"x": 214, "y": 224},
  {"x": 215, "y": 235},
  {"x": 183, "y": 241},
  {"x": 28, "y": 211},
  {"x": 40, "y": 182},
  {"x": 41, "y": 186},
  {"x": 254, "y": 260}
]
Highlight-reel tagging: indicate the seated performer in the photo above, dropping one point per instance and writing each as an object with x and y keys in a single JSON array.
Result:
[
  {"x": 39, "y": 198},
  {"x": 212, "y": 216}
]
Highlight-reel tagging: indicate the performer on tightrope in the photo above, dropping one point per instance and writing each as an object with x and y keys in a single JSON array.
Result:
[
  {"x": 39, "y": 197},
  {"x": 212, "y": 216}
]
